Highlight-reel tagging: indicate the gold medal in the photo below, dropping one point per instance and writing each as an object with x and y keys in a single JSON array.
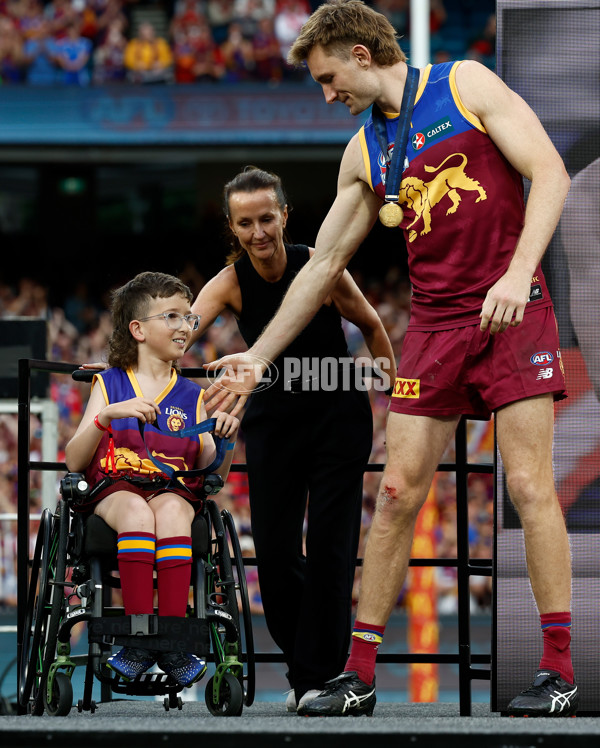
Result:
[{"x": 391, "y": 215}]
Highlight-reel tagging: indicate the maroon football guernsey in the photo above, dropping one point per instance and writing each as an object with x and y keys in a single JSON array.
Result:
[{"x": 463, "y": 206}]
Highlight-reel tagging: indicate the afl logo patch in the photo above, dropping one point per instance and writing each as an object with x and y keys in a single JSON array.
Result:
[
  {"x": 542, "y": 358},
  {"x": 418, "y": 141}
]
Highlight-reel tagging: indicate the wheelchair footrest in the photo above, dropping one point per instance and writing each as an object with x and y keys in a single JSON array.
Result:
[
  {"x": 158, "y": 633},
  {"x": 146, "y": 684}
]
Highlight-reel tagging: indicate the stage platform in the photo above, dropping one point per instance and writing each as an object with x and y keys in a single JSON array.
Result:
[{"x": 136, "y": 724}]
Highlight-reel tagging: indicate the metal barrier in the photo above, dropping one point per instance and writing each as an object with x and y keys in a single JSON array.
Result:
[{"x": 464, "y": 565}]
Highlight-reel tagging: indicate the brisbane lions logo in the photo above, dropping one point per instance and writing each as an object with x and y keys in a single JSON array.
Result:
[
  {"x": 422, "y": 196},
  {"x": 175, "y": 422}
]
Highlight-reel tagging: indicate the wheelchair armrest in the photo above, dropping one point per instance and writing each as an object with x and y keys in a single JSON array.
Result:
[
  {"x": 212, "y": 484},
  {"x": 74, "y": 488}
]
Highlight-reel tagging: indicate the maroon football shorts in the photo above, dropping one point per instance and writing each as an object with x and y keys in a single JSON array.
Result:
[{"x": 468, "y": 372}]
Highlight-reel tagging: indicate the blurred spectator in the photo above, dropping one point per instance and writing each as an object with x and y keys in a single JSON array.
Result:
[
  {"x": 220, "y": 15},
  {"x": 28, "y": 15},
  {"x": 249, "y": 14},
  {"x": 110, "y": 16},
  {"x": 254, "y": 598},
  {"x": 38, "y": 56},
  {"x": 60, "y": 13},
  {"x": 31, "y": 300},
  {"x": 397, "y": 13},
  {"x": 437, "y": 15},
  {"x": 197, "y": 57},
  {"x": 11, "y": 52},
  {"x": 148, "y": 58},
  {"x": 291, "y": 15},
  {"x": 268, "y": 65},
  {"x": 80, "y": 310},
  {"x": 86, "y": 13},
  {"x": 72, "y": 54},
  {"x": 185, "y": 14},
  {"x": 238, "y": 55},
  {"x": 483, "y": 46},
  {"x": 109, "y": 56}
]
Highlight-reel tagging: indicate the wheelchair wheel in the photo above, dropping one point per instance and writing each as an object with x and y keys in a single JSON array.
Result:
[
  {"x": 231, "y": 594},
  {"x": 32, "y": 632},
  {"x": 45, "y": 607},
  {"x": 61, "y": 698},
  {"x": 231, "y": 697},
  {"x": 244, "y": 602}
]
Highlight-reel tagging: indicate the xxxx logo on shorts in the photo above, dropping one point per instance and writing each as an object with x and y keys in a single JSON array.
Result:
[{"x": 407, "y": 388}]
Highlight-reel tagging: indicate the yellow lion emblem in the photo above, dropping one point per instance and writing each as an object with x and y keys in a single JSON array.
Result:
[
  {"x": 422, "y": 196},
  {"x": 129, "y": 461}
]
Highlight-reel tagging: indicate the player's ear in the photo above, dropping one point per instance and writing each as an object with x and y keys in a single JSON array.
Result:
[{"x": 362, "y": 55}]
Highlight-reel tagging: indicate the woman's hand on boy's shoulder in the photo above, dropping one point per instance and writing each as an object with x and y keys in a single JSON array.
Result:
[{"x": 95, "y": 365}]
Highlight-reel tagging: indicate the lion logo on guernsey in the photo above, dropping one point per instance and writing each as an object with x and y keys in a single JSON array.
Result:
[
  {"x": 422, "y": 197},
  {"x": 410, "y": 388},
  {"x": 176, "y": 419}
]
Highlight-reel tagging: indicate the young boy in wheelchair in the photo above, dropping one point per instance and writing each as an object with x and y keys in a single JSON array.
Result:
[{"x": 152, "y": 515}]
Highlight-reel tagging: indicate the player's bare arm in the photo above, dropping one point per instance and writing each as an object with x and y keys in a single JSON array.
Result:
[{"x": 519, "y": 135}]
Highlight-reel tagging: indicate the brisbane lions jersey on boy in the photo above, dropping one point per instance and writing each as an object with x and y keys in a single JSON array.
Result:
[{"x": 180, "y": 404}]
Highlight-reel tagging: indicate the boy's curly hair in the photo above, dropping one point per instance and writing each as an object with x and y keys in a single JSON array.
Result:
[{"x": 132, "y": 301}]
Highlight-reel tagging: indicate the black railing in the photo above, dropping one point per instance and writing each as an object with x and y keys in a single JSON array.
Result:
[{"x": 465, "y": 566}]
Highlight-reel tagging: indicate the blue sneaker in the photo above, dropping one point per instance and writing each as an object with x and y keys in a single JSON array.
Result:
[
  {"x": 131, "y": 662},
  {"x": 184, "y": 668}
]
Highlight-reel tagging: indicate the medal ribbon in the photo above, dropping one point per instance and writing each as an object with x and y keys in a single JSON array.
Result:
[{"x": 395, "y": 166}]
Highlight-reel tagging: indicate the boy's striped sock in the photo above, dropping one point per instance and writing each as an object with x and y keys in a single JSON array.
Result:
[
  {"x": 135, "y": 557},
  {"x": 174, "y": 570}
]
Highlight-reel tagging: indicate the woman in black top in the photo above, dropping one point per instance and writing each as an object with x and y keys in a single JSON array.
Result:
[{"x": 308, "y": 434}]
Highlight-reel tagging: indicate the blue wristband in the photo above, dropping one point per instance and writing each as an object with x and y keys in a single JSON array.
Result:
[{"x": 230, "y": 446}]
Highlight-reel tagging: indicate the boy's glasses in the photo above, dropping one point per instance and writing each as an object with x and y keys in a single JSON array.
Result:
[{"x": 174, "y": 320}]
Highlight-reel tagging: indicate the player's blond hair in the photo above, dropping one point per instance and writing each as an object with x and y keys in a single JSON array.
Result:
[{"x": 338, "y": 25}]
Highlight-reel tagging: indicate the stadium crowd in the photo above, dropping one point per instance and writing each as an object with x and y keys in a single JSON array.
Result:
[
  {"x": 78, "y": 332},
  {"x": 100, "y": 42}
]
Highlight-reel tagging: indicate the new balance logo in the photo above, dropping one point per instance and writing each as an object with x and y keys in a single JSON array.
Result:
[
  {"x": 545, "y": 373},
  {"x": 562, "y": 701}
]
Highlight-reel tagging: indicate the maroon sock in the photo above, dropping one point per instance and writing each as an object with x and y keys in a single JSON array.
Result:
[
  {"x": 174, "y": 571},
  {"x": 135, "y": 556},
  {"x": 366, "y": 638},
  {"x": 556, "y": 628}
]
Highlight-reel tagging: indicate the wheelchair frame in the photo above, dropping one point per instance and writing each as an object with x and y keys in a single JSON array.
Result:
[{"x": 60, "y": 573}]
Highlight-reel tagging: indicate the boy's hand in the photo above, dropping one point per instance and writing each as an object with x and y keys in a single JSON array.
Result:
[
  {"x": 142, "y": 408},
  {"x": 227, "y": 425}
]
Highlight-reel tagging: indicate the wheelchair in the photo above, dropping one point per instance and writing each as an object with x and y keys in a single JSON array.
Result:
[{"x": 72, "y": 580}]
